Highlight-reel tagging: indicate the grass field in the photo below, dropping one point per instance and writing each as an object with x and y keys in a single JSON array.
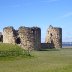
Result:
[{"x": 40, "y": 61}]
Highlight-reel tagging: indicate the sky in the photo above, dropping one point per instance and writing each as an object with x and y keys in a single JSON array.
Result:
[{"x": 40, "y": 13}]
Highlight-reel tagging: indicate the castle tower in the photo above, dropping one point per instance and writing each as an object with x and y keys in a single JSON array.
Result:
[
  {"x": 28, "y": 37},
  {"x": 37, "y": 37},
  {"x": 54, "y": 37},
  {"x": 9, "y": 35}
]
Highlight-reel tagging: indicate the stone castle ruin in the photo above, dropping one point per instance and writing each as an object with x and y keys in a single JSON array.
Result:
[
  {"x": 27, "y": 38},
  {"x": 9, "y": 35},
  {"x": 54, "y": 37},
  {"x": 30, "y": 37}
]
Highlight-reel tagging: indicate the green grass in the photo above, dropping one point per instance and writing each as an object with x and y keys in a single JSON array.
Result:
[
  {"x": 8, "y": 50},
  {"x": 41, "y": 61}
]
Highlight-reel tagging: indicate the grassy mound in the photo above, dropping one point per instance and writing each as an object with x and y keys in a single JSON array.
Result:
[{"x": 11, "y": 50}]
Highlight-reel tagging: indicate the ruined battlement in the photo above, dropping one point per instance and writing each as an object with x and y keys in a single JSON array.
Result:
[
  {"x": 26, "y": 37},
  {"x": 8, "y": 35},
  {"x": 54, "y": 37},
  {"x": 30, "y": 37},
  {"x": 8, "y": 28}
]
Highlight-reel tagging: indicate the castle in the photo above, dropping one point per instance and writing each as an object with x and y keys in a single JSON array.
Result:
[
  {"x": 54, "y": 37},
  {"x": 30, "y": 37}
]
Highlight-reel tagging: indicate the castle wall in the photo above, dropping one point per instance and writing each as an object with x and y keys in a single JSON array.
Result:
[
  {"x": 54, "y": 37},
  {"x": 8, "y": 35},
  {"x": 26, "y": 38},
  {"x": 45, "y": 46},
  {"x": 29, "y": 38},
  {"x": 37, "y": 37}
]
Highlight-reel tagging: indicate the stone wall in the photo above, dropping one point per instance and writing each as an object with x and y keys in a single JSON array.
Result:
[
  {"x": 54, "y": 37},
  {"x": 37, "y": 37},
  {"x": 27, "y": 38},
  {"x": 9, "y": 35},
  {"x": 30, "y": 38},
  {"x": 46, "y": 46}
]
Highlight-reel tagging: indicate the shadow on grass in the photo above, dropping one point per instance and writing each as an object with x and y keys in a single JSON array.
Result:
[{"x": 50, "y": 49}]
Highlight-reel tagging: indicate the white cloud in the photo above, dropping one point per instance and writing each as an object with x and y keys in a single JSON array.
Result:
[{"x": 67, "y": 15}]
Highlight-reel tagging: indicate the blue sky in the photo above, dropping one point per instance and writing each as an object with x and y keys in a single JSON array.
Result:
[{"x": 41, "y": 13}]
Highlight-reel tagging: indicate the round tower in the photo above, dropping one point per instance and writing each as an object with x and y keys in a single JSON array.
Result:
[
  {"x": 28, "y": 37},
  {"x": 8, "y": 35},
  {"x": 54, "y": 37}
]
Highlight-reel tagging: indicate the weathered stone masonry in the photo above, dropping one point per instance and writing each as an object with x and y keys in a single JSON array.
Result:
[
  {"x": 30, "y": 37},
  {"x": 37, "y": 37},
  {"x": 54, "y": 37},
  {"x": 27, "y": 38},
  {"x": 8, "y": 35}
]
